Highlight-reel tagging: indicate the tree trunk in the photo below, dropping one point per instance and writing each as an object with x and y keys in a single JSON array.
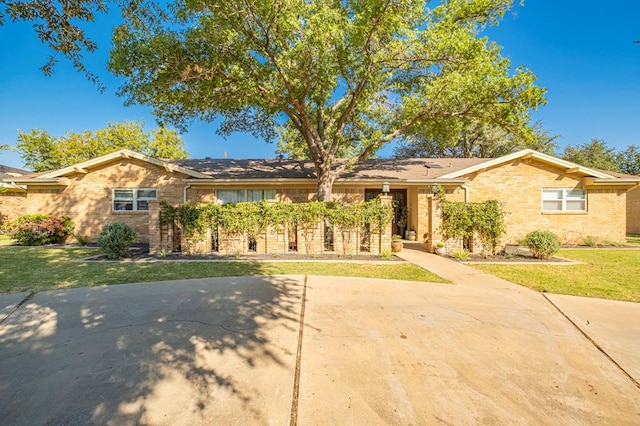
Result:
[{"x": 326, "y": 177}]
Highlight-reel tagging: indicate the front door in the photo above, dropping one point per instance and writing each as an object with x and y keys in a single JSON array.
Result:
[{"x": 400, "y": 211}]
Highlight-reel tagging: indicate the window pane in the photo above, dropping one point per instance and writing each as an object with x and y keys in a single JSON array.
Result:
[
  {"x": 122, "y": 205},
  {"x": 269, "y": 194},
  {"x": 552, "y": 206},
  {"x": 149, "y": 194},
  {"x": 143, "y": 205},
  {"x": 254, "y": 195},
  {"x": 123, "y": 194},
  {"x": 576, "y": 193},
  {"x": 225, "y": 196},
  {"x": 576, "y": 205},
  {"x": 552, "y": 194}
]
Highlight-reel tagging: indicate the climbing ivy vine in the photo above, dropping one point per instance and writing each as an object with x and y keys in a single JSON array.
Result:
[
  {"x": 463, "y": 220},
  {"x": 253, "y": 218}
]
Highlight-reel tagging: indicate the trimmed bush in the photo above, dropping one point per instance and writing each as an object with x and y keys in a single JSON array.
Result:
[
  {"x": 40, "y": 229},
  {"x": 543, "y": 244},
  {"x": 115, "y": 239}
]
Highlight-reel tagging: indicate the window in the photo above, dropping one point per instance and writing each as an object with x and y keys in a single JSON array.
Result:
[
  {"x": 226, "y": 196},
  {"x": 133, "y": 199},
  {"x": 564, "y": 200}
]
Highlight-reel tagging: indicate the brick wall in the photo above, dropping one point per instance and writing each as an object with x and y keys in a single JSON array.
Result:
[
  {"x": 12, "y": 205},
  {"x": 518, "y": 185},
  {"x": 87, "y": 198}
]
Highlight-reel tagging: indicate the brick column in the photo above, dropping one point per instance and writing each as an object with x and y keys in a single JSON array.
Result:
[
  {"x": 384, "y": 241},
  {"x": 155, "y": 237}
]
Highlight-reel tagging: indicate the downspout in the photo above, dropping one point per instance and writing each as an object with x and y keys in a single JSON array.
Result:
[
  {"x": 466, "y": 193},
  {"x": 184, "y": 193}
]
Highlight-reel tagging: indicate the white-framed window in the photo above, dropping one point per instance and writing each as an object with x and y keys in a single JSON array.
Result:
[
  {"x": 226, "y": 196},
  {"x": 133, "y": 199},
  {"x": 564, "y": 200}
]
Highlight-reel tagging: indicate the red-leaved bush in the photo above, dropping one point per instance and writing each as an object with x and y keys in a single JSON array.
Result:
[{"x": 40, "y": 229}]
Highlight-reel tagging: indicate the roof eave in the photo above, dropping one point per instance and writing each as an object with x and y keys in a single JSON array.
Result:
[
  {"x": 123, "y": 153},
  {"x": 631, "y": 183},
  {"x": 526, "y": 154},
  {"x": 35, "y": 181}
]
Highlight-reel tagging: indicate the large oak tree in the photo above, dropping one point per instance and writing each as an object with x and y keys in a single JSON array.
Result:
[{"x": 342, "y": 77}]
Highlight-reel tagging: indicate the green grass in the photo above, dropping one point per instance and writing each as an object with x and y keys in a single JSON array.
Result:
[
  {"x": 607, "y": 274},
  {"x": 48, "y": 268},
  {"x": 5, "y": 240}
]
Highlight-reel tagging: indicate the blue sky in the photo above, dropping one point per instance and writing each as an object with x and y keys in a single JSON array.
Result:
[{"x": 581, "y": 51}]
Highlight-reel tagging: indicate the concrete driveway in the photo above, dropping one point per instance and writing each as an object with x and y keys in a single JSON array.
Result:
[{"x": 231, "y": 351}]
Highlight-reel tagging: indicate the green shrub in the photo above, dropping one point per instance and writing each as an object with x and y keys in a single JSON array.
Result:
[
  {"x": 115, "y": 239},
  {"x": 543, "y": 244},
  {"x": 40, "y": 229},
  {"x": 461, "y": 254}
]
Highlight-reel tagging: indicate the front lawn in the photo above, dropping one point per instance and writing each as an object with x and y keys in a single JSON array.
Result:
[
  {"x": 605, "y": 273},
  {"x": 48, "y": 268},
  {"x": 5, "y": 240}
]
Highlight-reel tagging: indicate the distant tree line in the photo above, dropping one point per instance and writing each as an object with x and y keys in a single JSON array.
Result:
[
  {"x": 41, "y": 151},
  {"x": 480, "y": 140}
]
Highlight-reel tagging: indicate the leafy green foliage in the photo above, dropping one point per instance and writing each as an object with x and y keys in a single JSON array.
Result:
[
  {"x": 253, "y": 218},
  {"x": 542, "y": 244},
  {"x": 460, "y": 254},
  {"x": 629, "y": 160},
  {"x": 334, "y": 78},
  {"x": 115, "y": 239},
  {"x": 40, "y": 151},
  {"x": 594, "y": 154},
  {"x": 40, "y": 229},
  {"x": 463, "y": 220},
  {"x": 477, "y": 140},
  {"x": 56, "y": 26}
]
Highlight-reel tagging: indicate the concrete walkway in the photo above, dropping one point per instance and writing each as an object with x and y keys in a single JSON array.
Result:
[
  {"x": 613, "y": 326},
  {"x": 232, "y": 351}
]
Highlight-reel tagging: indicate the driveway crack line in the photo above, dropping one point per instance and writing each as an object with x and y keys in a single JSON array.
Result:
[
  {"x": 15, "y": 308},
  {"x": 593, "y": 342},
  {"x": 293, "y": 418}
]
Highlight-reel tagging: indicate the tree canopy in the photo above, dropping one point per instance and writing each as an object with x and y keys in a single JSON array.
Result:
[
  {"x": 629, "y": 160},
  {"x": 594, "y": 154},
  {"x": 599, "y": 155},
  {"x": 478, "y": 140},
  {"x": 339, "y": 77},
  {"x": 58, "y": 25},
  {"x": 41, "y": 151}
]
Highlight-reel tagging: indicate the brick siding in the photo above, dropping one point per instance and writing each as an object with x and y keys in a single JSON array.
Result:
[{"x": 12, "y": 205}]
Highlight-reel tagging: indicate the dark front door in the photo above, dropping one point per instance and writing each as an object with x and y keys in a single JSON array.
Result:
[{"x": 400, "y": 211}]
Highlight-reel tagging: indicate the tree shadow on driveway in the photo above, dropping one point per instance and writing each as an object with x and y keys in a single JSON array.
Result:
[{"x": 171, "y": 352}]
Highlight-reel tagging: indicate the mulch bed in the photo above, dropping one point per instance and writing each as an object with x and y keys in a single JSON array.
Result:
[
  {"x": 513, "y": 258},
  {"x": 141, "y": 253}
]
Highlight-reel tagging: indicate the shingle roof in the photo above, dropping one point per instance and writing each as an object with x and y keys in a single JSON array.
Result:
[
  {"x": 7, "y": 172},
  {"x": 407, "y": 169}
]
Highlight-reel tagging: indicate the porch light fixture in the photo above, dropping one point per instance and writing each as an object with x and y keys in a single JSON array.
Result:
[{"x": 385, "y": 188}]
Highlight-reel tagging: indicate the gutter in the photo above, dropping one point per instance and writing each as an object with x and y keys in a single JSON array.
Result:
[
  {"x": 13, "y": 185},
  {"x": 299, "y": 181},
  {"x": 48, "y": 181},
  {"x": 589, "y": 181}
]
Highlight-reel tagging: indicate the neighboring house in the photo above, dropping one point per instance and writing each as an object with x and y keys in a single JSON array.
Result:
[
  {"x": 536, "y": 190},
  {"x": 12, "y": 197}
]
